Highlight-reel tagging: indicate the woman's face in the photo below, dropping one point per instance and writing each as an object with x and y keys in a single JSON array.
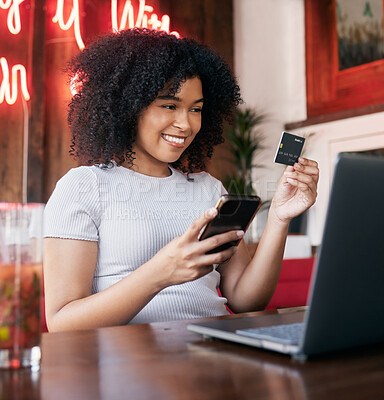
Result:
[{"x": 167, "y": 127}]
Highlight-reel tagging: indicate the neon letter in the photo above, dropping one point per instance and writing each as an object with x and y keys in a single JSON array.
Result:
[
  {"x": 13, "y": 20},
  {"x": 74, "y": 19},
  {"x": 165, "y": 24},
  {"x": 142, "y": 10},
  {"x": 127, "y": 15},
  {"x": 142, "y": 20},
  {"x": 6, "y": 91}
]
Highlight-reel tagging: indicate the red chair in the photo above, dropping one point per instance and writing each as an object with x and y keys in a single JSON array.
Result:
[
  {"x": 43, "y": 323},
  {"x": 293, "y": 285},
  {"x": 292, "y": 288}
]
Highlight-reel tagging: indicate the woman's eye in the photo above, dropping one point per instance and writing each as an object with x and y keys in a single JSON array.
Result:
[
  {"x": 169, "y": 106},
  {"x": 196, "y": 110}
]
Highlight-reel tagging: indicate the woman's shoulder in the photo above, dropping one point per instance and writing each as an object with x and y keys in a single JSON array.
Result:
[
  {"x": 77, "y": 173},
  {"x": 77, "y": 180},
  {"x": 88, "y": 172}
]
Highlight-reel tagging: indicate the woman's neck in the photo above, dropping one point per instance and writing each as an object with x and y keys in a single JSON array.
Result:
[{"x": 162, "y": 172}]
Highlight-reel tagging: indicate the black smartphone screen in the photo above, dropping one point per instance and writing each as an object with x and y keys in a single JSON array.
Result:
[{"x": 235, "y": 212}]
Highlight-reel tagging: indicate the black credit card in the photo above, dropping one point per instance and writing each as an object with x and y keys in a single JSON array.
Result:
[{"x": 289, "y": 148}]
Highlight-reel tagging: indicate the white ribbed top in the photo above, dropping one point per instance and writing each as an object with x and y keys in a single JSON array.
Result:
[{"x": 132, "y": 216}]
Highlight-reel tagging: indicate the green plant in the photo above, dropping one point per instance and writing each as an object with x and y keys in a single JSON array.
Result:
[{"x": 244, "y": 141}]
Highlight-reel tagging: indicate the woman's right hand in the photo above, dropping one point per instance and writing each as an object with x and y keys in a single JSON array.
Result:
[{"x": 184, "y": 259}]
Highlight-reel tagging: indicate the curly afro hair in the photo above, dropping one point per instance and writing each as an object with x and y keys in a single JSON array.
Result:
[{"x": 121, "y": 74}]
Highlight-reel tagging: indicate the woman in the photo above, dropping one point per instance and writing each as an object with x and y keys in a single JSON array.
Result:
[{"x": 122, "y": 234}]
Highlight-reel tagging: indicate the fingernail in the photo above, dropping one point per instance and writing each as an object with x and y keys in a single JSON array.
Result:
[
  {"x": 288, "y": 173},
  {"x": 301, "y": 159},
  {"x": 290, "y": 180},
  {"x": 240, "y": 233}
]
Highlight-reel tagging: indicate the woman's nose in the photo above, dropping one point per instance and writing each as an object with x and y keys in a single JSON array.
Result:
[{"x": 182, "y": 121}]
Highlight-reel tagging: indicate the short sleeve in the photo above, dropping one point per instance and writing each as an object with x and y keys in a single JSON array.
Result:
[
  {"x": 223, "y": 190},
  {"x": 73, "y": 210}
]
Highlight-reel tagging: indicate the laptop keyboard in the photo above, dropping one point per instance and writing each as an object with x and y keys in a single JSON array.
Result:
[{"x": 289, "y": 333}]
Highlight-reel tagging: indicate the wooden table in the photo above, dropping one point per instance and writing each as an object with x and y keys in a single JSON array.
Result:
[{"x": 165, "y": 361}]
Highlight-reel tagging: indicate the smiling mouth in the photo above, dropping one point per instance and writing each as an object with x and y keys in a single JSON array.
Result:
[{"x": 177, "y": 141}]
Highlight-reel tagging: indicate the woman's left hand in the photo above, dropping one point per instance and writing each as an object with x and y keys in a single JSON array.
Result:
[{"x": 297, "y": 190}]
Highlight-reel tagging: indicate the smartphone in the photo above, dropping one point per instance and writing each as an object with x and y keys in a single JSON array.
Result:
[{"x": 235, "y": 212}]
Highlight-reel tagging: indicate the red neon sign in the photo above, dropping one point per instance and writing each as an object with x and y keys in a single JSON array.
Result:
[
  {"x": 8, "y": 88},
  {"x": 145, "y": 18},
  {"x": 127, "y": 18}
]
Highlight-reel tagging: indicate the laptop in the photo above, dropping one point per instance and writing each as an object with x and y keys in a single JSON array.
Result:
[{"x": 346, "y": 296}]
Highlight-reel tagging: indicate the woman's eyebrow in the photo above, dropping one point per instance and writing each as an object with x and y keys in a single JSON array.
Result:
[
  {"x": 175, "y": 98},
  {"x": 168, "y": 97}
]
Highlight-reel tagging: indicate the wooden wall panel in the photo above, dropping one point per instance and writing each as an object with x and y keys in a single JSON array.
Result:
[
  {"x": 218, "y": 33},
  {"x": 14, "y": 118},
  {"x": 211, "y": 22},
  {"x": 60, "y": 46},
  {"x": 35, "y": 148},
  {"x": 11, "y": 152}
]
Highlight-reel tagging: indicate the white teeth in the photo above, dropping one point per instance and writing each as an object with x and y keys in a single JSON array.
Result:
[{"x": 174, "y": 139}]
